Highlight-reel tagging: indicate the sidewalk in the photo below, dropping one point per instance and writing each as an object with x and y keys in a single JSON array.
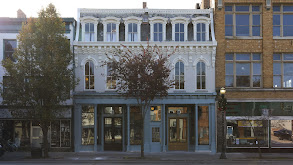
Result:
[{"x": 134, "y": 156}]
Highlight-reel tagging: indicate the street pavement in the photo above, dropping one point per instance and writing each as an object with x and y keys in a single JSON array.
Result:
[{"x": 128, "y": 158}]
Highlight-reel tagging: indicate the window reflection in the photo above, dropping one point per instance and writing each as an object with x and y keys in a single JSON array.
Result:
[
  {"x": 203, "y": 125},
  {"x": 155, "y": 113},
  {"x": 88, "y": 123}
]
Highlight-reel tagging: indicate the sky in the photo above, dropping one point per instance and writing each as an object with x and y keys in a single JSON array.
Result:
[{"x": 68, "y": 8}]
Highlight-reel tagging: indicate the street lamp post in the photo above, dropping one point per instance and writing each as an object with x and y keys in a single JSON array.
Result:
[{"x": 222, "y": 107}]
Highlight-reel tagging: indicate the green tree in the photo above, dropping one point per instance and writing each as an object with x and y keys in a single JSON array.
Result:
[
  {"x": 144, "y": 75},
  {"x": 40, "y": 80}
]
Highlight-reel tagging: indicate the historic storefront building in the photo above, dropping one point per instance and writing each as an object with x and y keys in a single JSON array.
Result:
[
  {"x": 255, "y": 63},
  {"x": 23, "y": 132},
  {"x": 184, "y": 120}
]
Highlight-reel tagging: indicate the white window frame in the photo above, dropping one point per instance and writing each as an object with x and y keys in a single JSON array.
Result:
[
  {"x": 179, "y": 20},
  {"x": 152, "y": 22},
  {"x": 88, "y": 19},
  {"x": 107, "y": 21},
  {"x": 93, "y": 76},
  {"x": 90, "y": 33},
  {"x": 179, "y": 75},
  {"x": 204, "y": 20},
  {"x": 132, "y": 20},
  {"x": 201, "y": 76},
  {"x": 111, "y": 79}
]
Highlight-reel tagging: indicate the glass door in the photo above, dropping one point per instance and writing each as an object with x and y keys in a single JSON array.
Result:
[
  {"x": 113, "y": 134},
  {"x": 178, "y": 134}
]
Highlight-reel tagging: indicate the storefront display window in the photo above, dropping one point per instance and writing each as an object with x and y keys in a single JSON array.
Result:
[
  {"x": 281, "y": 133},
  {"x": 22, "y": 133},
  {"x": 203, "y": 125},
  {"x": 247, "y": 133},
  {"x": 113, "y": 110},
  {"x": 155, "y": 113},
  {"x": 88, "y": 123},
  {"x": 135, "y": 125}
]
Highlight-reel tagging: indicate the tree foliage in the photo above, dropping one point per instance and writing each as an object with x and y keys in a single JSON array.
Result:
[
  {"x": 143, "y": 75},
  {"x": 41, "y": 78}
]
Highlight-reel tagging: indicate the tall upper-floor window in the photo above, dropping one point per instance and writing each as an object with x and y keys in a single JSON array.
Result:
[
  {"x": 201, "y": 75},
  {"x": 243, "y": 70},
  {"x": 179, "y": 75},
  {"x": 111, "y": 32},
  {"x": 9, "y": 46},
  {"x": 242, "y": 20},
  {"x": 179, "y": 32},
  {"x": 111, "y": 82},
  {"x": 283, "y": 70},
  {"x": 282, "y": 20},
  {"x": 158, "y": 32},
  {"x": 132, "y": 32},
  {"x": 89, "y": 73},
  {"x": 201, "y": 32},
  {"x": 89, "y": 32}
]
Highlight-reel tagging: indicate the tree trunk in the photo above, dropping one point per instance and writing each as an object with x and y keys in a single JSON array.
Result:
[
  {"x": 45, "y": 141},
  {"x": 142, "y": 138}
]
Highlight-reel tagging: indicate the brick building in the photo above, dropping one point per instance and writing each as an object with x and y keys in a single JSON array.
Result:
[{"x": 254, "y": 62}]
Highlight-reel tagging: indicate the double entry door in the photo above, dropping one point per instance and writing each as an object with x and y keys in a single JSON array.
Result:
[
  {"x": 178, "y": 134},
  {"x": 113, "y": 133}
]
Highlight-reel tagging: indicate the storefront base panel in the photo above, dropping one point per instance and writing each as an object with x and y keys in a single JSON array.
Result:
[{"x": 263, "y": 150}]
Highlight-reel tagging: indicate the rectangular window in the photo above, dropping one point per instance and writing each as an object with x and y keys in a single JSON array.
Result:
[
  {"x": 155, "y": 113},
  {"x": 135, "y": 125},
  {"x": 132, "y": 32},
  {"x": 89, "y": 32},
  {"x": 201, "y": 32},
  {"x": 87, "y": 123},
  {"x": 158, "y": 32},
  {"x": 283, "y": 70},
  {"x": 179, "y": 32},
  {"x": 242, "y": 20},
  {"x": 111, "y": 32},
  {"x": 247, "y": 133},
  {"x": 111, "y": 82},
  {"x": 156, "y": 134},
  {"x": 243, "y": 70},
  {"x": 282, "y": 20},
  {"x": 9, "y": 47},
  {"x": 203, "y": 125}
]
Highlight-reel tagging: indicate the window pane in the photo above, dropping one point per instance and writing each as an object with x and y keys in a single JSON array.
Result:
[
  {"x": 256, "y": 56},
  {"x": 228, "y": 31},
  {"x": 242, "y": 19},
  {"x": 242, "y": 56},
  {"x": 156, "y": 27},
  {"x": 88, "y": 123},
  {"x": 181, "y": 27},
  {"x": 113, "y": 27},
  {"x": 203, "y": 37},
  {"x": 228, "y": 19},
  {"x": 288, "y": 57},
  {"x": 156, "y": 134},
  {"x": 177, "y": 27},
  {"x": 255, "y": 8},
  {"x": 160, "y": 27},
  {"x": 288, "y": 30},
  {"x": 176, "y": 82},
  {"x": 229, "y": 68},
  {"x": 203, "y": 84},
  {"x": 242, "y": 69},
  {"x": 229, "y": 81},
  {"x": 203, "y": 68},
  {"x": 203, "y": 27},
  {"x": 181, "y": 37},
  {"x": 288, "y": 69},
  {"x": 277, "y": 68},
  {"x": 256, "y": 69},
  {"x": 242, "y": 81},
  {"x": 288, "y": 81},
  {"x": 177, "y": 68},
  {"x": 256, "y": 19},
  {"x": 108, "y": 27},
  {"x": 242, "y": 8},
  {"x": 256, "y": 31},
  {"x": 87, "y": 68},
  {"x": 155, "y": 113},
  {"x": 229, "y": 56},
  {"x": 276, "y": 8},
  {"x": 276, "y": 19},
  {"x": 287, "y": 19},
  {"x": 277, "y": 57},
  {"x": 160, "y": 36},
  {"x": 134, "y": 27},
  {"x": 181, "y": 82},
  {"x": 256, "y": 81},
  {"x": 92, "y": 71},
  {"x": 91, "y": 27},
  {"x": 276, "y": 30},
  {"x": 130, "y": 27},
  {"x": 277, "y": 81},
  {"x": 92, "y": 82},
  {"x": 287, "y": 8},
  {"x": 242, "y": 30},
  {"x": 181, "y": 68},
  {"x": 135, "y": 125},
  {"x": 198, "y": 37},
  {"x": 203, "y": 125},
  {"x": 176, "y": 36},
  {"x": 87, "y": 27},
  {"x": 228, "y": 8},
  {"x": 155, "y": 36}
]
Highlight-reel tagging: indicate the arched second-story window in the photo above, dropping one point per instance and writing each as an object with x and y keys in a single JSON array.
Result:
[
  {"x": 132, "y": 32},
  {"x": 179, "y": 75},
  {"x": 89, "y": 32},
  {"x": 158, "y": 32},
  {"x": 111, "y": 82},
  {"x": 201, "y": 32},
  {"x": 89, "y": 75},
  {"x": 201, "y": 75},
  {"x": 179, "y": 32},
  {"x": 111, "y": 32}
]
